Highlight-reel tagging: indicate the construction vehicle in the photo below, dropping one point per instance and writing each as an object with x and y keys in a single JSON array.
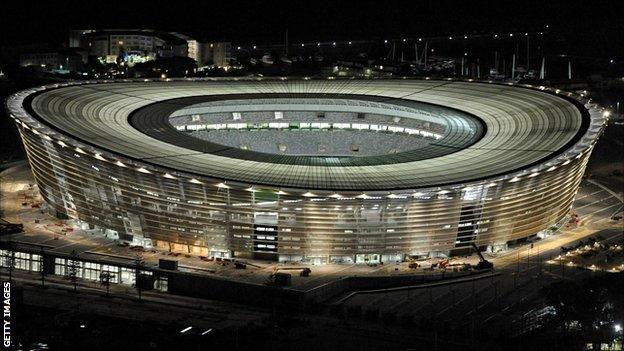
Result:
[
  {"x": 303, "y": 271},
  {"x": 413, "y": 265},
  {"x": 444, "y": 263},
  {"x": 278, "y": 278},
  {"x": 483, "y": 263}
]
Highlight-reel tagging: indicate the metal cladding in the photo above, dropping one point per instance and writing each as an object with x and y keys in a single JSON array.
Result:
[{"x": 95, "y": 158}]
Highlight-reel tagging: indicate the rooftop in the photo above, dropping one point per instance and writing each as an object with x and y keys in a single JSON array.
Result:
[{"x": 522, "y": 128}]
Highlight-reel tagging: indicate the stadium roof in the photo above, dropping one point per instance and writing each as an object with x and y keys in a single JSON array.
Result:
[{"x": 523, "y": 128}]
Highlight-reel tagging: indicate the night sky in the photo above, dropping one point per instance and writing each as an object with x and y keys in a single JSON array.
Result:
[{"x": 592, "y": 28}]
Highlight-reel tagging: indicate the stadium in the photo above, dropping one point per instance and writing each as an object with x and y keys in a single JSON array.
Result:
[{"x": 353, "y": 171}]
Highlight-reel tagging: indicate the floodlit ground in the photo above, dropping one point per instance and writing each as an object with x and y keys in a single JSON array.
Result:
[
  {"x": 22, "y": 204},
  {"x": 593, "y": 256}
]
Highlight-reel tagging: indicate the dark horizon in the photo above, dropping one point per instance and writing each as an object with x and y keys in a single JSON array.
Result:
[{"x": 584, "y": 28}]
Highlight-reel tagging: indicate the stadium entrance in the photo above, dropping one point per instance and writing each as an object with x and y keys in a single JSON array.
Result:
[{"x": 368, "y": 258}]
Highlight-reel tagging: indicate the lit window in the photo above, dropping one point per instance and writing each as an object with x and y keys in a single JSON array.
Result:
[
  {"x": 236, "y": 115},
  {"x": 279, "y": 115},
  {"x": 281, "y": 147}
]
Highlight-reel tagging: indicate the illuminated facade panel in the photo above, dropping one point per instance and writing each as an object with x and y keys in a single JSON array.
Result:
[{"x": 120, "y": 156}]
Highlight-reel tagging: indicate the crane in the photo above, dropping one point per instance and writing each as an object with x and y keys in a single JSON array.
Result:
[{"x": 483, "y": 263}]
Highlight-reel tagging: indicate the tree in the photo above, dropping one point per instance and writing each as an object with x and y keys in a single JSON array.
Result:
[
  {"x": 72, "y": 268},
  {"x": 139, "y": 264},
  {"x": 586, "y": 310},
  {"x": 105, "y": 279}
]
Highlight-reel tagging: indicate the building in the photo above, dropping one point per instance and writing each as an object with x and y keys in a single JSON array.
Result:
[
  {"x": 52, "y": 60},
  {"x": 149, "y": 44},
  {"x": 320, "y": 170},
  {"x": 133, "y": 44},
  {"x": 218, "y": 54},
  {"x": 75, "y": 37},
  {"x": 207, "y": 53},
  {"x": 194, "y": 50}
]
